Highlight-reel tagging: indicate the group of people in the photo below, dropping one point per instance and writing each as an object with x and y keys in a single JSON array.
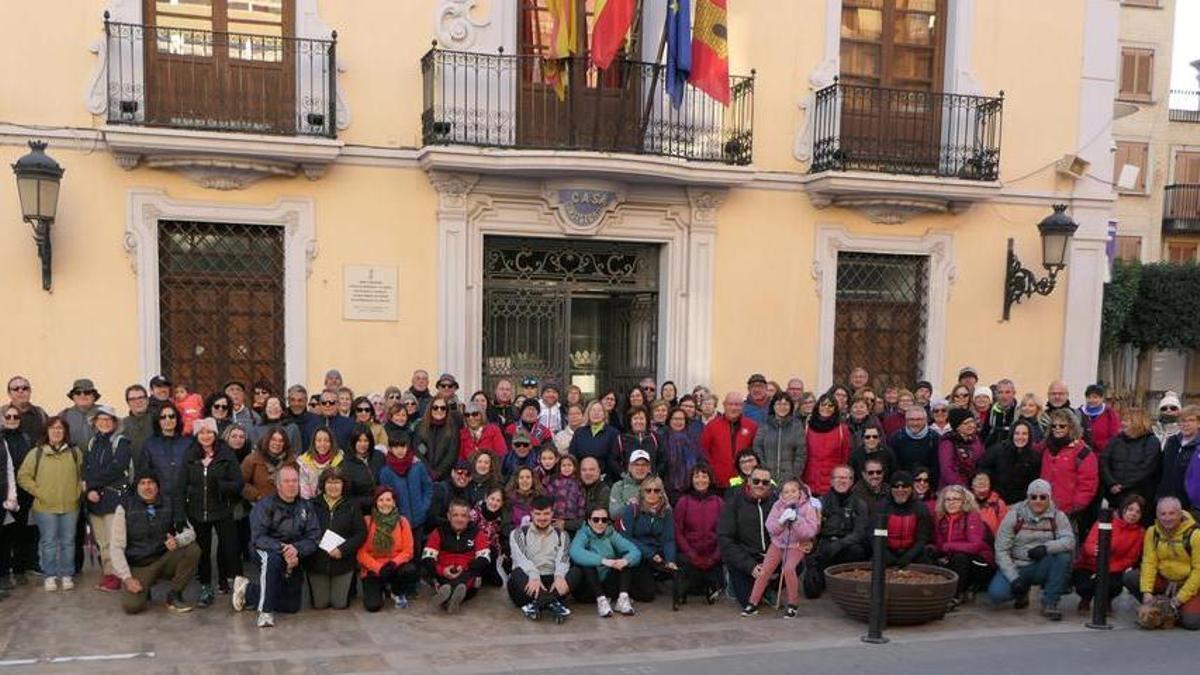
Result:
[{"x": 611, "y": 501}]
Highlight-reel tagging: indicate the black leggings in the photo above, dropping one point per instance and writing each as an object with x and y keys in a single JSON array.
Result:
[
  {"x": 974, "y": 573},
  {"x": 229, "y": 556},
  {"x": 614, "y": 583},
  {"x": 395, "y": 580},
  {"x": 1086, "y": 584},
  {"x": 696, "y": 581}
]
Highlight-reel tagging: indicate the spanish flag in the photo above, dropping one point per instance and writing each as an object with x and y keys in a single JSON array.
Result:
[
  {"x": 613, "y": 19},
  {"x": 710, "y": 50},
  {"x": 562, "y": 44}
]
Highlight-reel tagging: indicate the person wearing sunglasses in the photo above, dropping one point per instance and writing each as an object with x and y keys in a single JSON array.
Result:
[
  {"x": 329, "y": 418},
  {"x": 478, "y": 434},
  {"x": 363, "y": 414},
  {"x": 828, "y": 443},
  {"x": 872, "y": 486},
  {"x": 437, "y": 438},
  {"x": 18, "y": 538},
  {"x": 1180, "y": 464},
  {"x": 961, "y": 542},
  {"x": 33, "y": 418},
  {"x": 650, "y": 525},
  {"x": 1167, "y": 422},
  {"x": 1033, "y": 548},
  {"x": 1071, "y": 468},
  {"x": 606, "y": 561},
  {"x": 909, "y": 524},
  {"x": 166, "y": 452},
  {"x": 742, "y": 532},
  {"x": 528, "y": 421},
  {"x": 871, "y": 447},
  {"x": 219, "y": 407},
  {"x": 78, "y": 416},
  {"x": 1103, "y": 420}
]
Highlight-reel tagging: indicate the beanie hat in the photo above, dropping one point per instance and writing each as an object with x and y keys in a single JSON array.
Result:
[
  {"x": 1039, "y": 486},
  {"x": 958, "y": 416},
  {"x": 530, "y": 403},
  {"x": 1169, "y": 399},
  {"x": 982, "y": 391}
]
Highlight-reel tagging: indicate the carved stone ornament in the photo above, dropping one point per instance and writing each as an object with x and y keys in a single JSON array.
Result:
[
  {"x": 889, "y": 210},
  {"x": 220, "y": 173},
  {"x": 582, "y": 211},
  {"x": 457, "y": 24},
  {"x": 452, "y": 189},
  {"x": 705, "y": 202}
]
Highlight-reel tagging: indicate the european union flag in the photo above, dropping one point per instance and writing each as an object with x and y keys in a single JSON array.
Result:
[{"x": 679, "y": 48}]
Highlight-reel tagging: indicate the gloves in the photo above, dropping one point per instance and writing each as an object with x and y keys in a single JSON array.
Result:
[
  {"x": 1037, "y": 552},
  {"x": 787, "y": 516},
  {"x": 816, "y": 503},
  {"x": 1019, "y": 587}
]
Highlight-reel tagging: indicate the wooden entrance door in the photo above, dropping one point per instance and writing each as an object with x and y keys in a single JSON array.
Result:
[
  {"x": 221, "y": 64},
  {"x": 892, "y": 61},
  {"x": 600, "y": 109}
]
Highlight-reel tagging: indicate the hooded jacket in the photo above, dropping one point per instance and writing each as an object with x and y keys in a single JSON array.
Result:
[
  {"x": 696, "y": 517},
  {"x": 742, "y": 529},
  {"x": 1073, "y": 473},
  {"x": 781, "y": 446},
  {"x": 1124, "y": 551},
  {"x": 345, "y": 519},
  {"x": 589, "y": 549},
  {"x": 826, "y": 450},
  {"x": 1176, "y": 460},
  {"x": 721, "y": 441},
  {"x": 211, "y": 491},
  {"x": 1164, "y": 555},
  {"x": 1022, "y": 530},
  {"x": 964, "y": 533},
  {"x": 1131, "y": 463}
]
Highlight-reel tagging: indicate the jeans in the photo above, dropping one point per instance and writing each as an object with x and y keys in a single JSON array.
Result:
[
  {"x": 57, "y": 544},
  {"x": 1050, "y": 573}
]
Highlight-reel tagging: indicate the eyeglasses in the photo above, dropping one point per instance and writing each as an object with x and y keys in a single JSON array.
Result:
[
  {"x": 89, "y": 392},
  {"x": 901, "y": 486},
  {"x": 518, "y": 444},
  {"x": 19, "y": 387},
  {"x": 874, "y": 473},
  {"x": 446, "y": 385},
  {"x": 760, "y": 481},
  {"x": 364, "y": 409},
  {"x": 962, "y": 396},
  {"x": 920, "y": 480},
  {"x": 1060, "y": 425},
  {"x": 439, "y": 407},
  {"x": 393, "y": 396},
  {"x": 167, "y": 416},
  {"x": 220, "y": 406},
  {"x": 322, "y": 403},
  {"x": 1039, "y": 498},
  {"x": 653, "y": 490},
  {"x": 139, "y": 397},
  {"x": 599, "y": 520},
  {"x": 12, "y": 417}
]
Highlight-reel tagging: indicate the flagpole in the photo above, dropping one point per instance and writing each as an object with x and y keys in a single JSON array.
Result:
[{"x": 658, "y": 67}]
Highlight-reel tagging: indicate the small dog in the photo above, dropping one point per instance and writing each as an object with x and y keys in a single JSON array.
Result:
[{"x": 1158, "y": 614}]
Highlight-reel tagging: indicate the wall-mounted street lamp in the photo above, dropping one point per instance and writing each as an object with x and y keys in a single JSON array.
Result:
[
  {"x": 1019, "y": 283},
  {"x": 38, "y": 177}
]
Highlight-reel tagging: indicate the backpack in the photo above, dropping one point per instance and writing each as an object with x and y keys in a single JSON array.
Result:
[
  {"x": 37, "y": 460},
  {"x": 1021, "y": 523},
  {"x": 1187, "y": 539}
]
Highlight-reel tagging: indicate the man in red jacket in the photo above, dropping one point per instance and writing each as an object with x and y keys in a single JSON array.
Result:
[{"x": 724, "y": 437}]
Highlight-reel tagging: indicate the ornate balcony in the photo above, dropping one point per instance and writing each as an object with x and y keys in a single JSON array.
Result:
[
  {"x": 508, "y": 102},
  {"x": 1181, "y": 209}
]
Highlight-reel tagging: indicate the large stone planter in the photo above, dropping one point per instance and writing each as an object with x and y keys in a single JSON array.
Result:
[{"x": 906, "y": 604}]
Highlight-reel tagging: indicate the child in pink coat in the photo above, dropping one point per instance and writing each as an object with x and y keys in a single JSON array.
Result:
[
  {"x": 793, "y": 523},
  {"x": 190, "y": 405}
]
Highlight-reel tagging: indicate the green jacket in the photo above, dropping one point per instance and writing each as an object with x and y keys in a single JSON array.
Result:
[
  {"x": 54, "y": 483},
  {"x": 590, "y": 549},
  {"x": 622, "y": 492}
]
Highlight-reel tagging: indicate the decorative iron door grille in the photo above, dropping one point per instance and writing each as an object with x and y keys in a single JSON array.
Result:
[
  {"x": 221, "y": 303},
  {"x": 582, "y": 312},
  {"x": 880, "y": 316}
]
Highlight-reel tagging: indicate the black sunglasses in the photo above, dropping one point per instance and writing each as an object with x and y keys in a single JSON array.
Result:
[
  {"x": 19, "y": 387},
  {"x": 167, "y": 416},
  {"x": 519, "y": 444},
  {"x": 1039, "y": 498},
  {"x": 874, "y": 473},
  {"x": 866, "y": 436},
  {"x": 599, "y": 519},
  {"x": 323, "y": 403},
  {"x": 220, "y": 406},
  {"x": 757, "y": 481},
  {"x": 364, "y": 409},
  {"x": 12, "y": 417}
]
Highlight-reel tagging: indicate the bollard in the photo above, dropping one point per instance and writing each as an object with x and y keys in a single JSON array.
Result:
[
  {"x": 1100, "y": 601},
  {"x": 877, "y": 616}
]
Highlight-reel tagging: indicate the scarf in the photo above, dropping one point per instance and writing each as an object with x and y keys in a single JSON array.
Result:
[
  {"x": 964, "y": 460},
  {"x": 322, "y": 460},
  {"x": 400, "y": 465},
  {"x": 384, "y": 524},
  {"x": 1093, "y": 412},
  {"x": 1056, "y": 444},
  {"x": 597, "y": 428},
  {"x": 916, "y": 437},
  {"x": 823, "y": 424}
]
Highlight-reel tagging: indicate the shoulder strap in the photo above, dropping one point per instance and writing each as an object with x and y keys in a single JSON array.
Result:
[
  {"x": 1186, "y": 536},
  {"x": 37, "y": 460},
  {"x": 1081, "y": 455}
]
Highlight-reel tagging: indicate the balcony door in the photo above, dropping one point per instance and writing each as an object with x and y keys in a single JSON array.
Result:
[
  {"x": 892, "y": 61},
  {"x": 221, "y": 64},
  {"x": 600, "y": 110}
]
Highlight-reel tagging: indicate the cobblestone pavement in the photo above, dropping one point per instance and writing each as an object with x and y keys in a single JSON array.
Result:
[{"x": 88, "y": 628}]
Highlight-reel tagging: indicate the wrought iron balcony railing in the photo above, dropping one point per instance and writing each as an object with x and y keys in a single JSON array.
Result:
[
  {"x": 199, "y": 79},
  {"x": 508, "y": 101},
  {"x": 1184, "y": 106},
  {"x": 867, "y": 128},
  {"x": 1181, "y": 209}
]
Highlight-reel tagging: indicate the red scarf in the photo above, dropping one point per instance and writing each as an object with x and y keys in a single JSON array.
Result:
[{"x": 400, "y": 465}]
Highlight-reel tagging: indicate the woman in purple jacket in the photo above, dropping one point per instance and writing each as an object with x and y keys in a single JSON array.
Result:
[
  {"x": 960, "y": 452},
  {"x": 696, "y": 515}
]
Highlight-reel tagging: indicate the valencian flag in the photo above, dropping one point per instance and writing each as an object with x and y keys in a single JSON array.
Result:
[
  {"x": 562, "y": 44},
  {"x": 613, "y": 19},
  {"x": 710, "y": 50},
  {"x": 679, "y": 48}
]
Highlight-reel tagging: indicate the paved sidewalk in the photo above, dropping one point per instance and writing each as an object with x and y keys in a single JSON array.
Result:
[{"x": 488, "y": 636}]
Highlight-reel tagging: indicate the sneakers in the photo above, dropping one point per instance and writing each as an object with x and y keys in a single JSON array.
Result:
[
  {"x": 109, "y": 583},
  {"x": 238, "y": 597},
  {"x": 457, "y": 597},
  {"x": 531, "y": 611},
  {"x": 1021, "y": 601},
  {"x": 441, "y": 595},
  {"x": 401, "y": 601},
  {"x": 206, "y": 597},
  {"x": 177, "y": 604},
  {"x": 557, "y": 608},
  {"x": 1052, "y": 612},
  {"x": 266, "y": 620},
  {"x": 624, "y": 606},
  {"x": 790, "y": 612},
  {"x": 51, "y": 584},
  {"x": 68, "y": 584},
  {"x": 750, "y": 610},
  {"x": 713, "y": 596},
  {"x": 603, "y": 607}
]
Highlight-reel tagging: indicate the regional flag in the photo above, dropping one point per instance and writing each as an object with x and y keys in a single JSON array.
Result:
[
  {"x": 562, "y": 44},
  {"x": 710, "y": 50},
  {"x": 613, "y": 19},
  {"x": 679, "y": 48}
]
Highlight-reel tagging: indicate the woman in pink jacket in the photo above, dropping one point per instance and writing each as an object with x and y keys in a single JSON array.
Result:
[
  {"x": 792, "y": 524},
  {"x": 960, "y": 541}
]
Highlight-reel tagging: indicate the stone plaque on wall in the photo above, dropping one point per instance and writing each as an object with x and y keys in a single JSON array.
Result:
[{"x": 369, "y": 292}]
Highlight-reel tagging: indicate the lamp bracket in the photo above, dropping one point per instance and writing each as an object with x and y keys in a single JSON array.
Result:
[{"x": 1021, "y": 283}]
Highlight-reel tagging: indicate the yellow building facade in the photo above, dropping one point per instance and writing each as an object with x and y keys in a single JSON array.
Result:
[{"x": 246, "y": 195}]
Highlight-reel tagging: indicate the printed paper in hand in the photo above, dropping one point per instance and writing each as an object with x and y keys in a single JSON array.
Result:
[{"x": 331, "y": 540}]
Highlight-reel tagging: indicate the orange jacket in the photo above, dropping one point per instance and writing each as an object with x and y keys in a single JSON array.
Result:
[
  {"x": 370, "y": 561},
  {"x": 992, "y": 511},
  {"x": 190, "y": 408}
]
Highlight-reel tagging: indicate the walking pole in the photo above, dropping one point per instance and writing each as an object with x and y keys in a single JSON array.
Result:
[
  {"x": 876, "y": 618},
  {"x": 1100, "y": 600}
]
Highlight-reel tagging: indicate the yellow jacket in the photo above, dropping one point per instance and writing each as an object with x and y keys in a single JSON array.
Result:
[{"x": 1164, "y": 555}]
